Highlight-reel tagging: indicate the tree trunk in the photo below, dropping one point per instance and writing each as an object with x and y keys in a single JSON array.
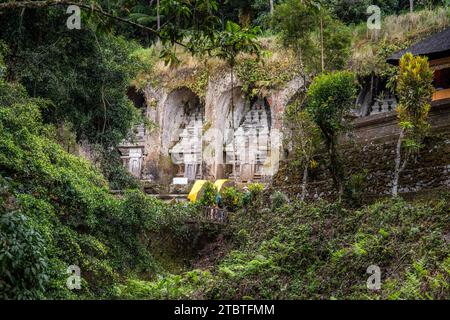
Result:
[
  {"x": 398, "y": 167},
  {"x": 271, "y": 7},
  {"x": 232, "y": 123},
  {"x": 304, "y": 180},
  {"x": 321, "y": 44},
  {"x": 158, "y": 18},
  {"x": 335, "y": 168},
  {"x": 411, "y": 6}
]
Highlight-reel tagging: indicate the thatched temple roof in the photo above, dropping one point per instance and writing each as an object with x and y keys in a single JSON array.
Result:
[{"x": 434, "y": 47}]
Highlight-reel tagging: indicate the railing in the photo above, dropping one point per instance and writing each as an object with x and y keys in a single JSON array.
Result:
[{"x": 215, "y": 214}]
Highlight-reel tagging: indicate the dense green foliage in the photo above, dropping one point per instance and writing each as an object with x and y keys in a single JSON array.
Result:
[
  {"x": 330, "y": 99},
  {"x": 83, "y": 73},
  {"x": 23, "y": 260},
  {"x": 56, "y": 211},
  {"x": 314, "y": 34},
  {"x": 321, "y": 251}
]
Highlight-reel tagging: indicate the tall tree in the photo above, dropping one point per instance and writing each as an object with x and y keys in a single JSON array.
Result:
[
  {"x": 414, "y": 89},
  {"x": 294, "y": 21},
  {"x": 330, "y": 99},
  {"x": 320, "y": 42},
  {"x": 303, "y": 136}
]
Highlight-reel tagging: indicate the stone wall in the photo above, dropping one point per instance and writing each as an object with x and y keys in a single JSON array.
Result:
[
  {"x": 370, "y": 151},
  {"x": 384, "y": 126}
]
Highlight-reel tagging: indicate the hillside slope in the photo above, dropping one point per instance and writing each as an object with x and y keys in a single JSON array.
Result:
[{"x": 295, "y": 250}]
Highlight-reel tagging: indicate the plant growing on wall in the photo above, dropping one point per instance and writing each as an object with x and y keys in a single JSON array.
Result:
[
  {"x": 304, "y": 136},
  {"x": 330, "y": 99},
  {"x": 414, "y": 89}
]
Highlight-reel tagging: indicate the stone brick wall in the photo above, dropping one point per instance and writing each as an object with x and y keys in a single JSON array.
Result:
[{"x": 372, "y": 150}]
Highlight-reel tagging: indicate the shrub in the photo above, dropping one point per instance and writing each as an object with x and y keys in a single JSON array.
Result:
[
  {"x": 278, "y": 199},
  {"x": 255, "y": 189},
  {"x": 357, "y": 186},
  {"x": 209, "y": 196},
  {"x": 232, "y": 199},
  {"x": 23, "y": 259}
]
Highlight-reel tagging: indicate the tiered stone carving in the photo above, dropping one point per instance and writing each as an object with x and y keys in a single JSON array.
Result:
[
  {"x": 252, "y": 145},
  {"x": 132, "y": 152},
  {"x": 187, "y": 152}
]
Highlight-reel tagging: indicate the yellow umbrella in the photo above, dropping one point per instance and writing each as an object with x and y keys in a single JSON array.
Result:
[
  {"x": 198, "y": 185},
  {"x": 219, "y": 184}
]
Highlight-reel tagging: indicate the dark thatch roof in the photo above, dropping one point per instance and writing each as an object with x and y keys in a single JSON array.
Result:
[{"x": 434, "y": 47}]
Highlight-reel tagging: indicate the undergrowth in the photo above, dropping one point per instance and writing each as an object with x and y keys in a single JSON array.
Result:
[{"x": 294, "y": 250}]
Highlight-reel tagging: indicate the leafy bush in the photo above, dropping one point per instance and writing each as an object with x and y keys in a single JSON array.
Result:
[
  {"x": 278, "y": 199},
  {"x": 23, "y": 259},
  {"x": 255, "y": 189},
  {"x": 357, "y": 186},
  {"x": 209, "y": 194},
  {"x": 231, "y": 199}
]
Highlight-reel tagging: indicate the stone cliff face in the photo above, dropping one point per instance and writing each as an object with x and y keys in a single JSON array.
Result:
[
  {"x": 198, "y": 135},
  {"x": 194, "y": 136},
  {"x": 181, "y": 117}
]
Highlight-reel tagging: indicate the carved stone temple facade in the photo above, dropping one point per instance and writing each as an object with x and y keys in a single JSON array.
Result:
[
  {"x": 226, "y": 134},
  {"x": 223, "y": 135}
]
